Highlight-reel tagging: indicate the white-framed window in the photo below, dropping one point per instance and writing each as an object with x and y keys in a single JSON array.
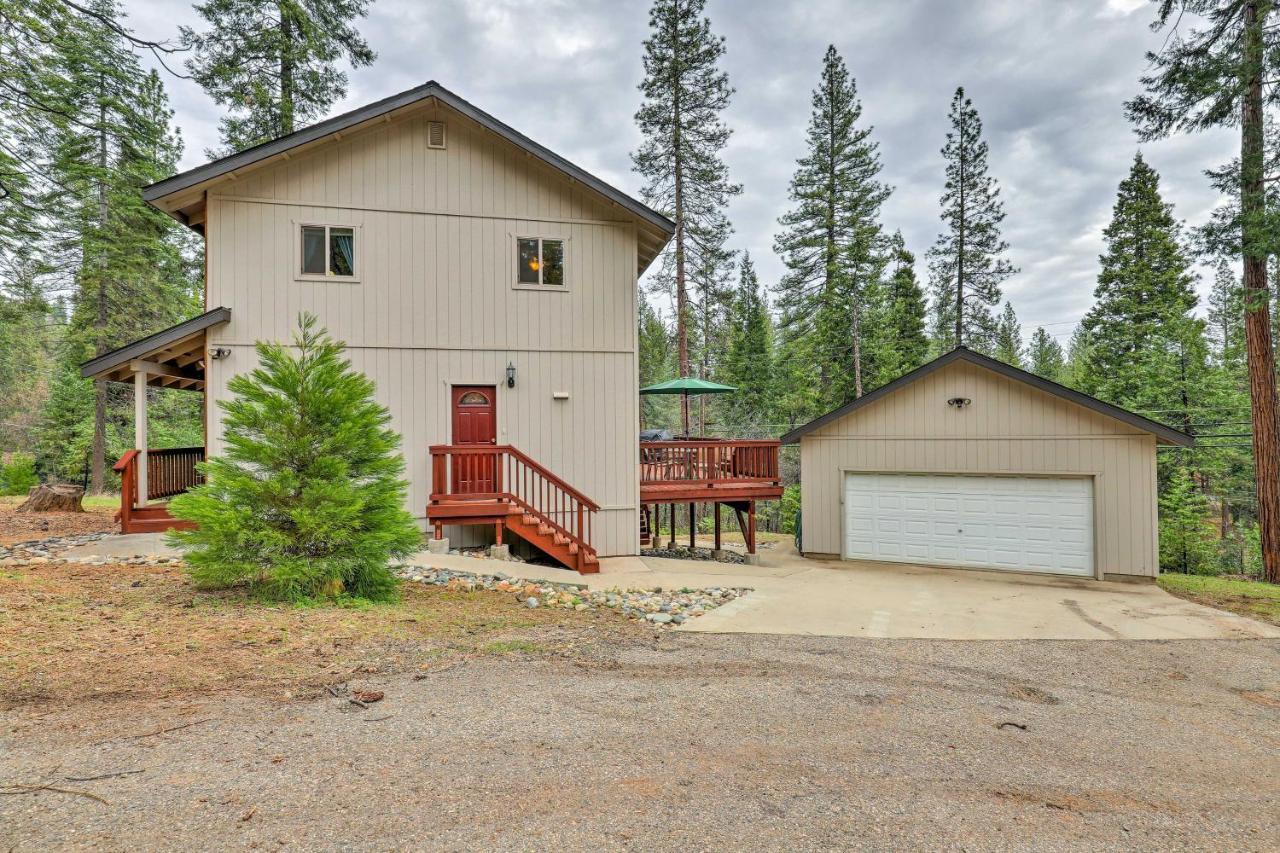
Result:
[
  {"x": 540, "y": 263},
  {"x": 328, "y": 252}
]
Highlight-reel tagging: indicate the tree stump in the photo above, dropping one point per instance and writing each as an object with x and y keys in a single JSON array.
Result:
[{"x": 56, "y": 497}]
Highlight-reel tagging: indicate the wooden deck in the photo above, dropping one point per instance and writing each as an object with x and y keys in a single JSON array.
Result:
[{"x": 730, "y": 471}]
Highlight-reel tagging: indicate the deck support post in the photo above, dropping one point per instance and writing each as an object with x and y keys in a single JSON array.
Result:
[
  {"x": 497, "y": 533},
  {"x": 718, "y": 552},
  {"x": 140, "y": 433},
  {"x": 673, "y": 527},
  {"x": 752, "y": 558},
  {"x": 693, "y": 529}
]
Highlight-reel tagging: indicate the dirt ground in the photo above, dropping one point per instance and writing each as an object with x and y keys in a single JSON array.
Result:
[
  {"x": 73, "y": 632},
  {"x": 138, "y": 712},
  {"x": 24, "y": 526}
]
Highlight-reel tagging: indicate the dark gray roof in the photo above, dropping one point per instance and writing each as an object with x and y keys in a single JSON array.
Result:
[
  {"x": 1159, "y": 430},
  {"x": 151, "y": 343},
  {"x": 430, "y": 89}
]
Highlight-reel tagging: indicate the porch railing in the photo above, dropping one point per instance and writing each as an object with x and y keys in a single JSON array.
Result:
[
  {"x": 500, "y": 472},
  {"x": 170, "y": 471},
  {"x": 709, "y": 462}
]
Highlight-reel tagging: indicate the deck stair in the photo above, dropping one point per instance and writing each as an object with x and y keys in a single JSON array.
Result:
[{"x": 502, "y": 486}]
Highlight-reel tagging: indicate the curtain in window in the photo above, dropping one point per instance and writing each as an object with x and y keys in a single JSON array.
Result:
[{"x": 344, "y": 253}]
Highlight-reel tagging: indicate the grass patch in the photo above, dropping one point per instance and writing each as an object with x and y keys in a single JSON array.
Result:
[
  {"x": 1255, "y": 599},
  {"x": 71, "y": 632},
  {"x": 90, "y": 501}
]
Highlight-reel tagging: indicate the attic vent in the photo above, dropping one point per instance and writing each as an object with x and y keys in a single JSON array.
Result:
[{"x": 435, "y": 134}]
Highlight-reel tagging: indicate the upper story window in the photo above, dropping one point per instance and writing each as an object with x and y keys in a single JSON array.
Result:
[
  {"x": 328, "y": 251},
  {"x": 539, "y": 262}
]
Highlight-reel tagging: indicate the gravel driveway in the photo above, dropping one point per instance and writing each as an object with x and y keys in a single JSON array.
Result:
[{"x": 698, "y": 741}]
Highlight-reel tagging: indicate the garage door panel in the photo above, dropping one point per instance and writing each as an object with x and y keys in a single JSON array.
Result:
[{"x": 1016, "y": 523}]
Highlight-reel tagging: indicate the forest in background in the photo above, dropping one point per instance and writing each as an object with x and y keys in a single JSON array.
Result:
[{"x": 86, "y": 265}]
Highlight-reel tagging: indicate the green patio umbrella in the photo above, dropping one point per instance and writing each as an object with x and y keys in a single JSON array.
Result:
[{"x": 686, "y": 385}]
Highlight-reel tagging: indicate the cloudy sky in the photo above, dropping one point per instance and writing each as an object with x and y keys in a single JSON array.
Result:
[{"x": 1049, "y": 79}]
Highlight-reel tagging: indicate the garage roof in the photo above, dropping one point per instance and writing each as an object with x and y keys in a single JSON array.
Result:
[{"x": 1165, "y": 434}]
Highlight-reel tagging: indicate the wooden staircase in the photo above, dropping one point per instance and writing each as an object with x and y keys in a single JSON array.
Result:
[
  {"x": 502, "y": 486},
  {"x": 549, "y": 541},
  {"x": 170, "y": 471}
]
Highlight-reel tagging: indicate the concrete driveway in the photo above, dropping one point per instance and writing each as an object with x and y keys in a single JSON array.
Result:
[{"x": 795, "y": 595}]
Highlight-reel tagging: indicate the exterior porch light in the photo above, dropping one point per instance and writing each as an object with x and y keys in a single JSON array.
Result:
[{"x": 511, "y": 375}]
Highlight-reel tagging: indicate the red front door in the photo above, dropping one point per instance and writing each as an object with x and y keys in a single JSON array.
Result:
[{"x": 474, "y": 422}]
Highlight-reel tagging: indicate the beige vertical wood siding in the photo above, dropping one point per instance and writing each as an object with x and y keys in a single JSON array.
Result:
[
  {"x": 434, "y": 304},
  {"x": 1009, "y": 428}
]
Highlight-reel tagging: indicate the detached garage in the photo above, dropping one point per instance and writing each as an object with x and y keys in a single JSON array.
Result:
[{"x": 967, "y": 462}]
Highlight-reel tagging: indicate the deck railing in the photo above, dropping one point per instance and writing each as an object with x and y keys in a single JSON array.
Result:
[
  {"x": 500, "y": 472},
  {"x": 709, "y": 462},
  {"x": 172, "y": 471}
]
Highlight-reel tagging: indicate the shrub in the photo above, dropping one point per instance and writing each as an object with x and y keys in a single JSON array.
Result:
[
  {"x": 19, "y": 475},
  {"x": 307, "y": 500}
]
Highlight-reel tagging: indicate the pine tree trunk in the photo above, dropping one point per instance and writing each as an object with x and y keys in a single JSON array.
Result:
[
  {"x": 857, "y": 350},
  {"x": 286, "y": 71},
  {"x": 682, "y": 298},
  {"x": 960, "y": 246},
  {"x": 1257, "y": 320},
  {"x": 98, "y": 450}
]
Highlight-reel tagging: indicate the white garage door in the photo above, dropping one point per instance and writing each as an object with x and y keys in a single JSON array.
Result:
[{"x": 1036, "y": 524}]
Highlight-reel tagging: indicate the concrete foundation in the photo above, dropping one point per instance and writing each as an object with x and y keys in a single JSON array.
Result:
[
  {"x": 751, "y": 559},
  {"x": 718, "y": 553},
  {"x": 499, "y": 552},
  {"x": 438, "y": 546}
]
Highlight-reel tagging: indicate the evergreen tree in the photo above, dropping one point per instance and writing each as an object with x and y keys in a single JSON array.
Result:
[
  {"x": 832, "y": 242},
  {"x": 1074, "y": 373},
  {"x": 749, "y": 363},
  {"x": 1146, "y": 351},
  {"x": 907, "y": 316},
  {"x": 273, "y": 63},
  {"x": 1009, "y": 347},
  {"x": 1222, "y": 75},
  {"x": 1186, "y": 541},
  {"x": 308, "y": 498},
  {"x": 1226, "y": 318},
  {"x": 110, "y": 137},
  {"x": 1046, "y": 357},
  {"x": 657, "y": 364},
  {"x": 966, "y": 264},
  {"x": 685, "y": 92}
]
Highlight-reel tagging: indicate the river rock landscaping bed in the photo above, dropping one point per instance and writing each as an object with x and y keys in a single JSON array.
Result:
[
  {"x": 684, "y": 553},
  {"x": 45, "y": 550},
  {"x": 656, "y": 606}
]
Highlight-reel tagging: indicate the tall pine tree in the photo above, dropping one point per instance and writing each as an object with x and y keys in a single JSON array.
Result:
[
  {"x": 1045, "y": 357},
  {"x": 1009, "y": 348},
  {"x": 1146, "y": 349},
  {"x": 685, "y": 93},
  {"x": 111, "y": 136},
  {"x": 750, "y": 362},
  {"x": 832, "y": 242},
  {"x": 273, "y": 63},
  {"x": 967, "y": 263},
  {"x": 657, "y": 364},
  {"x": 1222, "y": 75}
]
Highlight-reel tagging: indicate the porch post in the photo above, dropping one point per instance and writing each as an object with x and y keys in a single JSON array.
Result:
[{"x": 140, "y": 431}]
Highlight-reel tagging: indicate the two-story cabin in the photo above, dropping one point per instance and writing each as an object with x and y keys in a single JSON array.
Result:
[{"x": 486, "y": 285}]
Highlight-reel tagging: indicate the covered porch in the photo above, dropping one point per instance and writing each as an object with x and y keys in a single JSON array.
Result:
[{"x": 149, "y": 476}]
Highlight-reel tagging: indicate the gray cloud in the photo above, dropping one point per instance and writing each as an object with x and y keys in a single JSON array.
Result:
[{"x": 1049, "y": 80}]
